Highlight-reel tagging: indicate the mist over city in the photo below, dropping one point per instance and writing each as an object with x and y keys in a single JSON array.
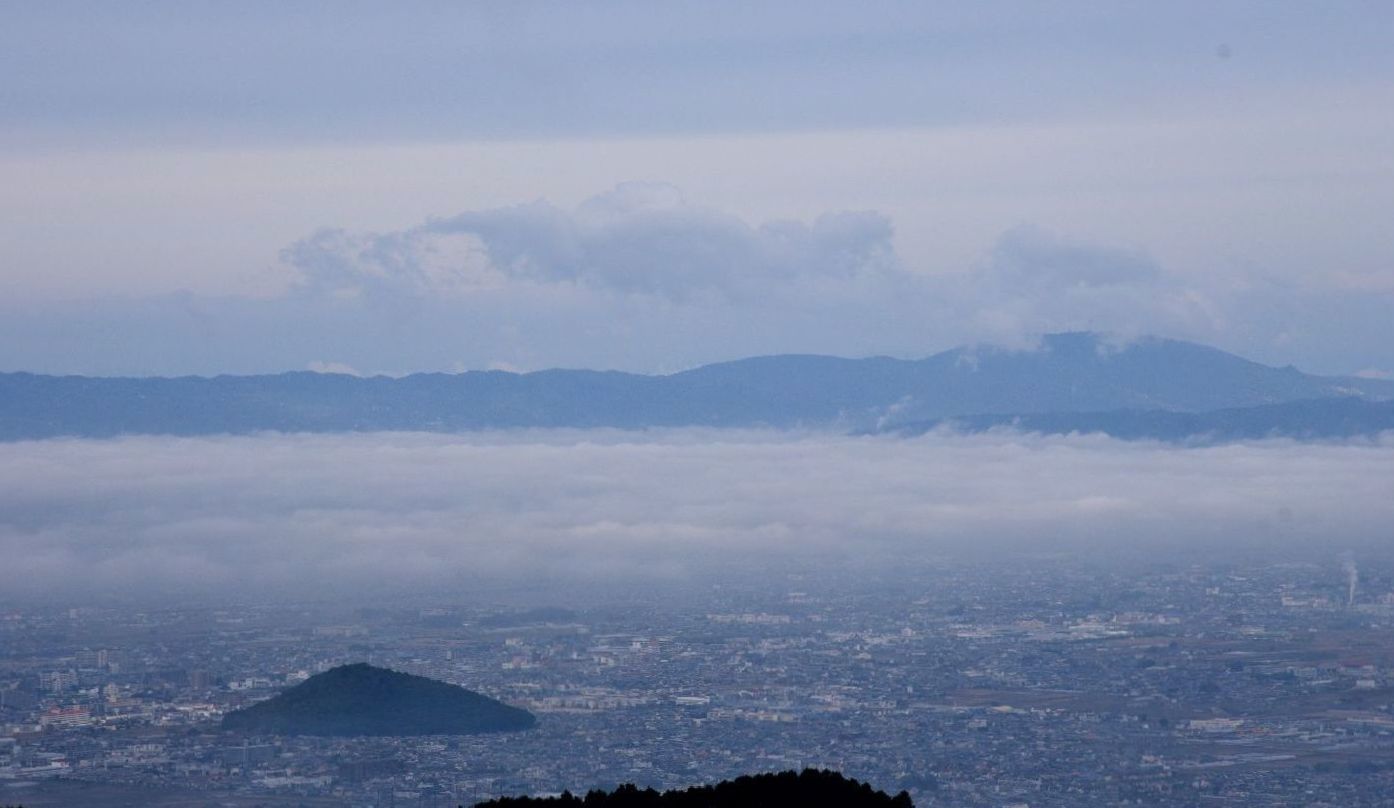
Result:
[
  {"x": 696, "y": 404},
  {"x": 398, "y": 513}
]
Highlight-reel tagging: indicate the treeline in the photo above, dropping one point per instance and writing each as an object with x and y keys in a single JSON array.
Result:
[{"x": 811, "y": 788}]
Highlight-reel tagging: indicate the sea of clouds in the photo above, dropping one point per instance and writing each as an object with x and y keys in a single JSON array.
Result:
[{"x": 332, "y": 515}]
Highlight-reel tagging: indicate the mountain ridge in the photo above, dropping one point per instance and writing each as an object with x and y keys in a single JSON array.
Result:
[{"x": 1070, "y": 372}]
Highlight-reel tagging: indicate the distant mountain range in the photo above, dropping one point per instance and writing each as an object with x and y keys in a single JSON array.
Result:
[
  {"x": 360, "y": 699},
  {"x": 1070, "y": 381},
  {"x": 1313, "y": 419}
]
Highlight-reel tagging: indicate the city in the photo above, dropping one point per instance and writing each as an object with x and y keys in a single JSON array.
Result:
[
  {"x": 706, "y": 404},
  {"x": 1045, "y": 681}
]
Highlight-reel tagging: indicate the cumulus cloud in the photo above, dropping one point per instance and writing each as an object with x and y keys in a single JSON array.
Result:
[
  {"x": 648, "y": 271},
  {"x": 638, "y": 238},
  {"x": 328, "y": 514},
  {"x": 639, "y": 278},
  {"x": 1035, "y": 281},
  {"x": 643, "y": 265}
]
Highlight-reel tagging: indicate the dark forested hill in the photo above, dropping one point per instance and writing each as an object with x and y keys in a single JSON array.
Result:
[
  {"x": 810, "y": 788},
  {"x": 1066, "y": 373},
  {"x": 364, "y": 700}
]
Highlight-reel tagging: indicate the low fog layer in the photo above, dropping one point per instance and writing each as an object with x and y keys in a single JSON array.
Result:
[{"x": 327, "y": 515}]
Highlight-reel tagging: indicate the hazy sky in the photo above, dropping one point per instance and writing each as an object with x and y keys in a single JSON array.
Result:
[
  {"x": 351, "y": 514},
  {"x": 244, "y": 187}
]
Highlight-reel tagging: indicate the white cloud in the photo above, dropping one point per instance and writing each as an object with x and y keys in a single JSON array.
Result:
[
  {"x": 350, "y": 514},
  {"x": 638, "y": 278},
  {"x": 641, "y": 265},
  {"x": 332, "y": 367},
  {"x": 638, "y": 238},
  {"x": 1035, "y": 281}
]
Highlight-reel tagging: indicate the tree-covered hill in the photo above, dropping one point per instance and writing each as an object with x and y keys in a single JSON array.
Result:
[
  {"x": 811, "y": 788},
  {"x": 363, "y": 700}
]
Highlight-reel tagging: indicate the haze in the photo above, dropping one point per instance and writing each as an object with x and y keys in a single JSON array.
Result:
[
  {"x": 396, "y": 513},
  {"x": 260, "y": 187},
  {"x": 992, "y": 402}
]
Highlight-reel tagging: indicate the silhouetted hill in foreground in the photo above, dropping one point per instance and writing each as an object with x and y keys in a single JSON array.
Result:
[
  {"x": 1066, "y": 373},
  {"x": 363, "y": 700},
  {"x": 811, "y": 787},
  {"x": 1319, "y": 419}
]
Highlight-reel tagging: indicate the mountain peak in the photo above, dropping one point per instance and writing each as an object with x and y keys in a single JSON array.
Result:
[{"x": 360, "y": 699}]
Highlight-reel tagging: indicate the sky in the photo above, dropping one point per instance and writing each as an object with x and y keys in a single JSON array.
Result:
[
  {"x": 367, "y": 514},
  {"x": 204, "y": 188}
]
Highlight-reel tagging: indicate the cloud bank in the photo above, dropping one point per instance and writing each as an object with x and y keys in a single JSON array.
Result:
[
  {"x": 639, "y": 278},
  {"x": 349, "y": 515},
  {"x": 649, "y": 280},
  {"x": 638, "y": 238}
]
